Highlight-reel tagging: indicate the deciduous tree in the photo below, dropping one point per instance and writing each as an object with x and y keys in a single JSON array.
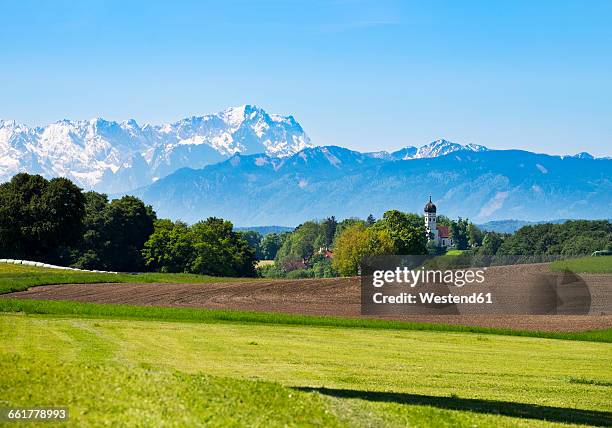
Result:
[{"x": 39, "y": 218}]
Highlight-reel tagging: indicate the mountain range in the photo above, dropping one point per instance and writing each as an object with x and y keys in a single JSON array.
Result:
[
  {"x": 252, "y": 167},
  {"x": 115, "y": 157},
  {"x": 317, "y": 182},
  {"x": 511, "y": 226}
]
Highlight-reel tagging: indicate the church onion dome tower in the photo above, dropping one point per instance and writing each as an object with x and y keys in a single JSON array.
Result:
[{"x": 430, "y": 207}]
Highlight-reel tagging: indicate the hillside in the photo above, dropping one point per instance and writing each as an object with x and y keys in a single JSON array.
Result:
[
  {"x": 511, "y": 226},
  {"x": 318, "y": 182},
  {"x": 264, "y": 230}
]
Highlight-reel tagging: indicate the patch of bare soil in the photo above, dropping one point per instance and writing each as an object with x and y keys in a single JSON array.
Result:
[{"x": 331, "y": 297}]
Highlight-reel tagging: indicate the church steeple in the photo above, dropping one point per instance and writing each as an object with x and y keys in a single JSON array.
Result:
[
  {"x": 430, "y": 221},
  {"x": 430, "y": 207}
]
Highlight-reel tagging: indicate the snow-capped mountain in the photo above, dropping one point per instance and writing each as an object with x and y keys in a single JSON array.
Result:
[
  {"x": 114, "y": 157},
  {"x": 584, "y": 155},
  {"x": 434, "y": 149},
  {"x": 443, "y": 147}
]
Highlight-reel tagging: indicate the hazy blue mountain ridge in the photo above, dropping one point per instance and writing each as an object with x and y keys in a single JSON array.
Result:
[{"x": 322, "y": 181}]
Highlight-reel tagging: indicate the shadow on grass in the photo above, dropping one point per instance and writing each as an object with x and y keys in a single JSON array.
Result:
[{"x": 505, "y": 408}]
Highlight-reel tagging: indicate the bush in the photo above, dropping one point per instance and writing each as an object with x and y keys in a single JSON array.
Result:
[
  {"x": 322, "y": 267},
  {"x": 300, "y": 273},
  {"x": 271, "y": 271}
]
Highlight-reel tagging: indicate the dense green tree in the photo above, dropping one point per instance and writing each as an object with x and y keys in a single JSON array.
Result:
[
  {"x": 442, "y": 220},
  {"x": 579, "y": 237},
  {"x": 356, "y": 242},
  {"x": 300, "y": 274},
  {"x": 474, "y": 235},
  {"x": 434, "y": 249},
  {"x": 39, "y": 218},
  {"x": 490, "y": 244},
  {"x": 322, "y": 267},
  {"x": 329, "y": 229},
  {"x": 115, "y": 233},
  {"x": 269, "y": 246},
  {"x": 209, "y": 247},
  {"x": 415, "y": 220},
  {"x": 407, "y": 232},
  {"x": 254, "y": 239},
  {"x": 583, "y": 245},
  {"x": 169, "y": 248},
  {"x": 89, "y": 253},
  {"x": 128, "y": 223},
  {"x": 307, "y": 239},
  {"x": 370, "y": 220},
  {"x": 220, "y": 251},
  {"x": 271, "y": 271},
  {"x": 459, "y": 233},
  {"x": 346, "y": 223}
]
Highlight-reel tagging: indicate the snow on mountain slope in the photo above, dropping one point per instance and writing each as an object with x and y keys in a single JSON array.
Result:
[
  {"x": 584, "y": 155},
  {"x": 434, "y": 149},
  {"x": 114, "y": 157},
  {"x": 118, "y": 157}
]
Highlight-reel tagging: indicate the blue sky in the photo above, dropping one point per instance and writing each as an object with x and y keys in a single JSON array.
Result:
[{"x": 367, "y": 75}]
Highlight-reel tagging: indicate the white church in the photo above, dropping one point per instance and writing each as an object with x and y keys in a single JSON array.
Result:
[{"x": 440, "y": 235}]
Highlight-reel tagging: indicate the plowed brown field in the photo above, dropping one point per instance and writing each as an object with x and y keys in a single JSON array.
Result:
[{"x": 332, "y": 297}]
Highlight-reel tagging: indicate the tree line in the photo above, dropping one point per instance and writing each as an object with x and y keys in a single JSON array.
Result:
[
  {"x": 331, "y": 248},
  {"x": 572, "y": 238},
  {"x": 54, "y": 221},
  {"x": 303, "y": 252}
]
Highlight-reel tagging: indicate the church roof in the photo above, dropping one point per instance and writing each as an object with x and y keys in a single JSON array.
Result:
[
  {"x": 443, "y": 231},
  {"x": 430, "y": 207}
]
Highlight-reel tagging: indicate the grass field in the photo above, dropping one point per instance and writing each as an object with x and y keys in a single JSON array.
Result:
[
  {"x": 602, "y": 264},
  {"x": 129, "y": 372},
  {"x": 262, "y": 263},
  {"x": 20, "y": 277},
  {"x": 121, "y": 365},
  {"x": 113, "y": 311},
  {"x": 455, "y": 252}
]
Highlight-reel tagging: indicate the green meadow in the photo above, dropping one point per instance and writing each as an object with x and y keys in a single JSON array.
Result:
[
  {"x": 121, "y": 365},
  {"x": 149, "y": 373},
  {"x": 153, "y": 313},
  {"x": 21, "y": 277},
  {"x": 601, "y": 264}
]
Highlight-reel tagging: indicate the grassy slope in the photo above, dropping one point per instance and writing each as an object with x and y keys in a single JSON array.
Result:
[
  {"x": 94, "y": 310},
  {"x": 454, "y": 252},
  {"x": 262, "y": 263},
  {"x": 119, "y": 395},
  {"x": 117, "y": 372},
  {"x": 19, "y": 277},
  {"x": 602, "y": 264}
]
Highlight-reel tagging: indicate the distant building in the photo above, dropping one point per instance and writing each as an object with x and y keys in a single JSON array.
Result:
[
  {"x": 325, "y": 252},
  {"x": 440, "y": 235}
]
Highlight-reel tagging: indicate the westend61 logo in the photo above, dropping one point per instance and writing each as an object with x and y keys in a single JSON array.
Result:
[{"x": 451, "y": 285}]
